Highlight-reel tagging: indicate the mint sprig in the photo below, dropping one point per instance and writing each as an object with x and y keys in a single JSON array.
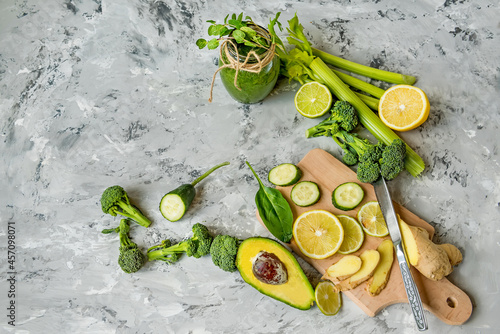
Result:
[{"x": 235, "y": 27}]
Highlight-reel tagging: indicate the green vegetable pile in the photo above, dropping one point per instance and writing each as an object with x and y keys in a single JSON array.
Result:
[
  {"x": 373, "y": 160},
  {"x": 303, "y": 63}
]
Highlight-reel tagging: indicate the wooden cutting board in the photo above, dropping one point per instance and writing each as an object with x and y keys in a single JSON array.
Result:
[{"x": 442, "y": 298}]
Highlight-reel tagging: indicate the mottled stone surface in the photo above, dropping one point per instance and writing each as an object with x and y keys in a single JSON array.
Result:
[{"x": 97, "y": 93}]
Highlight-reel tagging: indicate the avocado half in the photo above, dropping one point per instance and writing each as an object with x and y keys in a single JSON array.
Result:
[{"x": 296, "y": 291}]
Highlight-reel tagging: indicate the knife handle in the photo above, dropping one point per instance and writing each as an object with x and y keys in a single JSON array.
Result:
[{"x": 411, "y": 290}]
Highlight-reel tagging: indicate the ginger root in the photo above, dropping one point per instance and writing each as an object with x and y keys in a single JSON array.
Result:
[
  {"x": 431, "y": 260},
  {"x": 345, "y": 267},
  {"x": 369, "y": 260},
  {"x": 382, "y": 272}
]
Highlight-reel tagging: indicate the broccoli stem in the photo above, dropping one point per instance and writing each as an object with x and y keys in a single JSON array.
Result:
[
  {"x": 321, "y": 129},
  {"x": 413, "y": 163},
  {"x": 162, "y": 252},
  {"x": 123, "y": 231},
  {"x": 208, "y": 173},
  {"x": 131, "y": 212},
  {"x": 366, "y": 71}
]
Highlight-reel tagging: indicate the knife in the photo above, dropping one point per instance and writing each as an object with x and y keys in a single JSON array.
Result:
[{"x": 385, "y": 202}]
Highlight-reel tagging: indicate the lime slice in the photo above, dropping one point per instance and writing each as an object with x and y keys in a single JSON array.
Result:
[
  {"x": 353, "y": 235},
  {"x": 313, "y": 100},
  {"x": 371, "y": 219},
  {"x": 328, "y": 300},
  {"x": 318, "y": 233}
]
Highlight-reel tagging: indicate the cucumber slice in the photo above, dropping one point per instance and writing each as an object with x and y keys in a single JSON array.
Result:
[
  {"x": 284, "y": 175},
  {"x": 347, "y": 196},
  {"x": 305, "y": 193}
]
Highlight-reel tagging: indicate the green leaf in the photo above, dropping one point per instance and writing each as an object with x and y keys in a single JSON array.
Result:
[
  {"x": 201, "y": 43},
  {"x": 274, "y": 36},
  {"x": 216, "y": 29},
  {"x": 274, "y": 210},
  {"x": 225, "y": 19},
  {"x": 253, "y": 45},
  {"x": 211, "y": 21},
  {"x": 296, "y": 30},
  {"x": 249, "y": 32},
  {"x": 239, "y": 36},
  {"x": 235, "y": 23},
  {"x": 225, "y": 31},
  {"x": 240, "y": 17},
  {"x": 111, "y": 230},
  {"x": 213, "y": 44}
]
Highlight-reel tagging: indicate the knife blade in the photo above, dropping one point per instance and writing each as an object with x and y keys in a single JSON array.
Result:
[{"x": 391, "y": 219}]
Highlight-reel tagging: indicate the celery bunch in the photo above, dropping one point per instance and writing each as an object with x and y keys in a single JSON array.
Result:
[{"x": 304, "y": 64}]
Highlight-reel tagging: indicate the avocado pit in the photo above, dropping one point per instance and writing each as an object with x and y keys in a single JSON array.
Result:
[{"x": 269, "y": 269}]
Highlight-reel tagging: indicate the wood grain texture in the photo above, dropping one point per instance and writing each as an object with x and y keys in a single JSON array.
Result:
[{"x": 442, "y": 298}]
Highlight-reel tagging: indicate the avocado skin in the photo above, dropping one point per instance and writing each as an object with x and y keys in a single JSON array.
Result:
[{"x": 296, "y": 292}]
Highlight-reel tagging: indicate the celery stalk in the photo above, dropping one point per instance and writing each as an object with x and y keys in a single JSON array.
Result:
[
  {"x": 413, "y": 162},
  {"x": 360, "y": 84},
  {"x": 369, "y": 101},
  {"x": 363, "y": 70}
]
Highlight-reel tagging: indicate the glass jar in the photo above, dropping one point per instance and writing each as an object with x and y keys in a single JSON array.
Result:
[{"x": 254, "y": 87}]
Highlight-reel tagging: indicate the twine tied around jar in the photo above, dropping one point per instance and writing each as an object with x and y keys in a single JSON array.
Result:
[{"x": 234, "y": 63}]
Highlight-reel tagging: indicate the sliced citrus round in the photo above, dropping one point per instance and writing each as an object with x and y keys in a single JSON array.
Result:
[
  {"x": 313, "y": 100},
  {"x": 318, "y": 233},
  {"x": 403, "y": 107},
  {"x": 328, "y": 299},
  {"x": 371, "y": 219},
  {"x": 353, "y": 235}
]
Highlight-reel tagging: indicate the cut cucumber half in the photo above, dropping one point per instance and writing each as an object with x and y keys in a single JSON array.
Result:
[
  {"x": 174, "y": 204},
  {"x": 284, "y": 175},
  {"x": 347, "y": 196},
  {"x": 305, "y": 193}
]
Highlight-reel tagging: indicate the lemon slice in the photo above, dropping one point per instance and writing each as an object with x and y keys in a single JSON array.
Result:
[
  {"x": 313, "y": 100},
  {"x": 328, "y": 300},
  {"x": 371, "y": 219},
  {"x": 318, "y": 233},
  {"x": 403, "y": 107},
  {"x": 353, "y": 235}
]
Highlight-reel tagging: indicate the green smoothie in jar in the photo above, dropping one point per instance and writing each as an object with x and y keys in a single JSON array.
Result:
[
  {"x": 248, "y": 64},
  {"x": 257, "y": 74}
]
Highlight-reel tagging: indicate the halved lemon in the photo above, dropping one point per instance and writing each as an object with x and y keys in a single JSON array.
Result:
[
  {"x": 371, "y": 219},
  {"x": 403, "y": 107},
  {"x": 328, "y": 300},
  {"x": 313, "y": 100},
  {"x": 318, "y": 233},
  {"x": 353, "y": 235}
]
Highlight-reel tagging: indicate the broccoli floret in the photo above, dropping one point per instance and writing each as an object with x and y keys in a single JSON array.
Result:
[
  {"x": 131, "y": 258},
  {"x": 368, "y": 171},
  {"x": 202, "y": 237},
  {"x": 196, "y": 246},
  {"x": 345, "y": 114},
  {"x": 114, "y": 200},
  {"x": 223, "y": 251},
  {"x": 349, "y": 158},
  {"x": 392, "y": 161},
  {"x": 343, "y": 117}
]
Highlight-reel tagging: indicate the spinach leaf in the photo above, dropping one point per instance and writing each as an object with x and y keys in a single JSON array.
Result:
[{"x": 274, "y": 210}]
